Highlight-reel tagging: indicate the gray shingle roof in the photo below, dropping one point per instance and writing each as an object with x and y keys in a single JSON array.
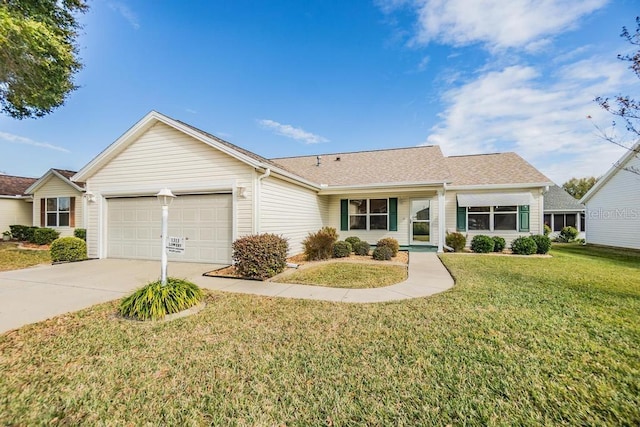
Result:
[
  {"x": 14, "y": 185},
  {"x": 556, "y": 198}
]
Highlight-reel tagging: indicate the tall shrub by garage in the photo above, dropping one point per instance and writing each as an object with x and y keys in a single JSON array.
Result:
[
  {"x": 68, "y": 249},
  {"x": 260, "y": 256}
]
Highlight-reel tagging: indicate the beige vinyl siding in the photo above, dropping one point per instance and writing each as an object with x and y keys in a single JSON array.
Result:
[
  {"x": 291, "y": 211},
  {"x": 164, "y": 156},
  {"x": 14, "y": 212},
  {"x": 404, "y": 205},
  {"x": 56, "y": 187},
  {"x": 613, "y": 212},
  {"x": 535, "y": 215}
]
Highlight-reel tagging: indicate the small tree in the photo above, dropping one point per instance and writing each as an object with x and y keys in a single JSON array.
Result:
[{"x": 578, "y": 187}]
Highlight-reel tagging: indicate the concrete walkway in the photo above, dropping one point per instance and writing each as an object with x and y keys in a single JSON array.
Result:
[
  {"x": 427, "y": 276},
  {"x": 38, "y": 293}
]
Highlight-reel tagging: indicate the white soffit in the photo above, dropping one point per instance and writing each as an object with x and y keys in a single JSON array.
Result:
[{"x": 494, "y": 199}]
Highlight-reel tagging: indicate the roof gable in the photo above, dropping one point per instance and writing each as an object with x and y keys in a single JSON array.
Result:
[
  {"x": 63, "y": 174},
  {"x": 634, "y": 152},
  {"x": 15, "y": 185}
]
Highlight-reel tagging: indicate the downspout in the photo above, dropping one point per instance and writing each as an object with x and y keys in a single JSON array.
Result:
[{"x": 266, "y": 174}]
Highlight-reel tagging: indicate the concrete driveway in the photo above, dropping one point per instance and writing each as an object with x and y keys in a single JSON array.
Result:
[{"x": 38, "y": 293}]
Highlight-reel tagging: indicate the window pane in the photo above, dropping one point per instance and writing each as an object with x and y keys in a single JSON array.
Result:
[
  {"x": 64, "y": 220},
  {"x": 558, "y": 222},
  {"x": 505, "y": 209},
  {"x": 420, "y": 231},
  {"x": 378, "y": 205},
  {"x": 52, "y": 205},
  {"x": 547, "y": 220},
  {"x": 582, "y": 222},
  {"x": 378, "y": 222},
  {"x": 52, "y": 220},
  {"x": 357, "y": 222},
  {"x": 64, "y": 204},
  {"x": 571, "y": 220},
  {"x": 479, "y": 209},
  {"x": 358, "y": 206},
  {"x": 504, "y": 221},
  {"x": 478, "y": 221}
]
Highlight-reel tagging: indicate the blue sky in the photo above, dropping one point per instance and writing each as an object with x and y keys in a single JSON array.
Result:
[{"x": 286, "y": 78}]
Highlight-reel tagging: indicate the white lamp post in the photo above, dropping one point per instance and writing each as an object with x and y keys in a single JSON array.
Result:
[{"x": 165, "y": 197}]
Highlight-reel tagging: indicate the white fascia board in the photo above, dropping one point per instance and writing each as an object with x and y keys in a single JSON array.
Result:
[
  {"x": 16, "y": 197},
  {"x": 380, "y": 187},
  {"x": 289, "y": 177},
  {"x": 563, "y": 210},
  {"x": 176, "y": 188},
  {"x": 491, "y": 187},
  {"x": 633, "y": 151}
]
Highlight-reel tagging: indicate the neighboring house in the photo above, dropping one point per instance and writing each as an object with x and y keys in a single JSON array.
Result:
[
  {"x": 15, "y": 205},
  {"x": 561, "y": 210},
  {"x": 58, "y": 202},
  {"x": 613, "y": 204},
  {"x": 414, "y": 194}
]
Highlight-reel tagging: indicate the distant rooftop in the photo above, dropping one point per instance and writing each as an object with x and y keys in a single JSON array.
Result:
[
  {"x": 14, "y": 185},
  {"x": 557, "y": 199}
]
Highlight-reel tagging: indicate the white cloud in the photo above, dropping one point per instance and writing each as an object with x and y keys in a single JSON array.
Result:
[
  {"x": 292, "y": 132},
  {"x": 16, "y": 139},
  {"x": 498, "y": 24},
  {"x": 541, "y": 117},
  {"x": 126, "y": 13}
]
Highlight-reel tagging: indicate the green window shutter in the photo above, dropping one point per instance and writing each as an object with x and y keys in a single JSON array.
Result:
[
  {"x": 393, "y": 214},
  {"x": 461, "y": 219},
  {"x": 344, "y": 214},
  {"x": 523, "y": 216}
]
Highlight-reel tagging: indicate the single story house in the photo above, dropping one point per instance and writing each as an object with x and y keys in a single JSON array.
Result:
[
  {"x": 15, "y": 205},
  {"x": 613, "y": 204},
  {"x": 415, "y": 195},
  {"x": 561, "y": 210}
]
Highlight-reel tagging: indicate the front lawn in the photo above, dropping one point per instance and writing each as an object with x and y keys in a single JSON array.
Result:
[
  {"x": 12, "y": 258},
  {"x": 347, "y": 275},
  {"x": 517, "y": 341}
]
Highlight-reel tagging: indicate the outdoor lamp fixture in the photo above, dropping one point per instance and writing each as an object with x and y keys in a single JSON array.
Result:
[
  {"x": 90, "y": 196},
  {"x": 165, "y": 197}
]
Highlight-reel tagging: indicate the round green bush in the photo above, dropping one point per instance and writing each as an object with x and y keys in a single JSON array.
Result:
[
  {"x": 543, "y": 243},
  {"x": 44, "y": 236},
  {"x": 80, "y": 233},
  {"x": 456, "y": 241},
  {"x": 154, "y": 301},
  {"x": 68, "y": 249},
  {"x": 524, "y": 246},
  {"x": 382, "y": 253},
  {"x": 341, "y": 249},
  {"x": 568, "y": 234},
  {"x": 499, "y": 244},
  {"x": 260, "y": 256},
  {"x": 362, "y": 248},
  {"x": 482, "y": 244},
  {"x": 547, "y": 230},
  {"x": 352, "y": 241},
  {"x": 391, "y": 243}
]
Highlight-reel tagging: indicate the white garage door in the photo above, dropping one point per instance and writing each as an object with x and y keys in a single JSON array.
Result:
[{"x": 134, "y": 227}]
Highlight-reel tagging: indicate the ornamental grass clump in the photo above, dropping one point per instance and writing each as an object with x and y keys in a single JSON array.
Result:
[
  {"x": 319, "y": 245},
  {"x": 154, "y": 301},
  {"x": 482, "y": 244},
  {"x": 260, "y": 256},
  {"x": 68, "y": 249}
]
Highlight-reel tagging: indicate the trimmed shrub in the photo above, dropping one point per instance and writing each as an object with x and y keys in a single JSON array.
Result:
[
  {"x": 44, "y": 236},
  {"x": 524, "y": 246},
  {"x": 568, "y": 234},
  {"x": 547, "y": 230},
  {"x": 260, "y": 256},
  {"x": 154, "y": 301},
  {"x": 542, "y": 242},
  {"x": 456, "y": 241},
  {"x": 319, "y": 245},
  {"x": 68, "y": 249},
  {"x": 391, "y": 243},
  {"x": 352, "y": 241},
  {"x": 80, "y": 233},
  {"x": 341, "y": 249},
  {"x": 498, "y": 244},
  {"x": 482, "y": 244},
  {"x": 18, "y": 231},
  {"x": 361, "y": 248},
  {"x": 29, "y": 234},
  {"x": 382, "y": 253}
]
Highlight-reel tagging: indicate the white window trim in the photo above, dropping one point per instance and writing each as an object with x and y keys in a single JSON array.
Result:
[
  {"x": 491, "y": 214},
  {"x": 57, "y": 212},
  {"x": 368, "y": 215}
]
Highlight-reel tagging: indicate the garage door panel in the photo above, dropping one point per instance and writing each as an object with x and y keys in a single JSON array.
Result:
[{"x": 134, "y": 228}]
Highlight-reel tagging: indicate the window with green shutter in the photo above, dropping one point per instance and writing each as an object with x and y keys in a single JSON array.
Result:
[
  {"x": 523, "y": 216},
  {"x": 461, "y": 219},
  {"x": 344, "y": 214}
]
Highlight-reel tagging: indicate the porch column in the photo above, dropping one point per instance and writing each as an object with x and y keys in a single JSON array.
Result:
[{"x": 441, "y": 221}]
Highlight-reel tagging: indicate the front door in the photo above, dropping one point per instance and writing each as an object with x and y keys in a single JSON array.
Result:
[{"x": 420, "y": 221}]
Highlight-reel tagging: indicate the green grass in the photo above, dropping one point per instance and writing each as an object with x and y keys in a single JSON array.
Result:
[
  {"x": 517, "y": 341},
  {"x": 12, "y": 258},
  {"x": 348, "y": 275}
]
